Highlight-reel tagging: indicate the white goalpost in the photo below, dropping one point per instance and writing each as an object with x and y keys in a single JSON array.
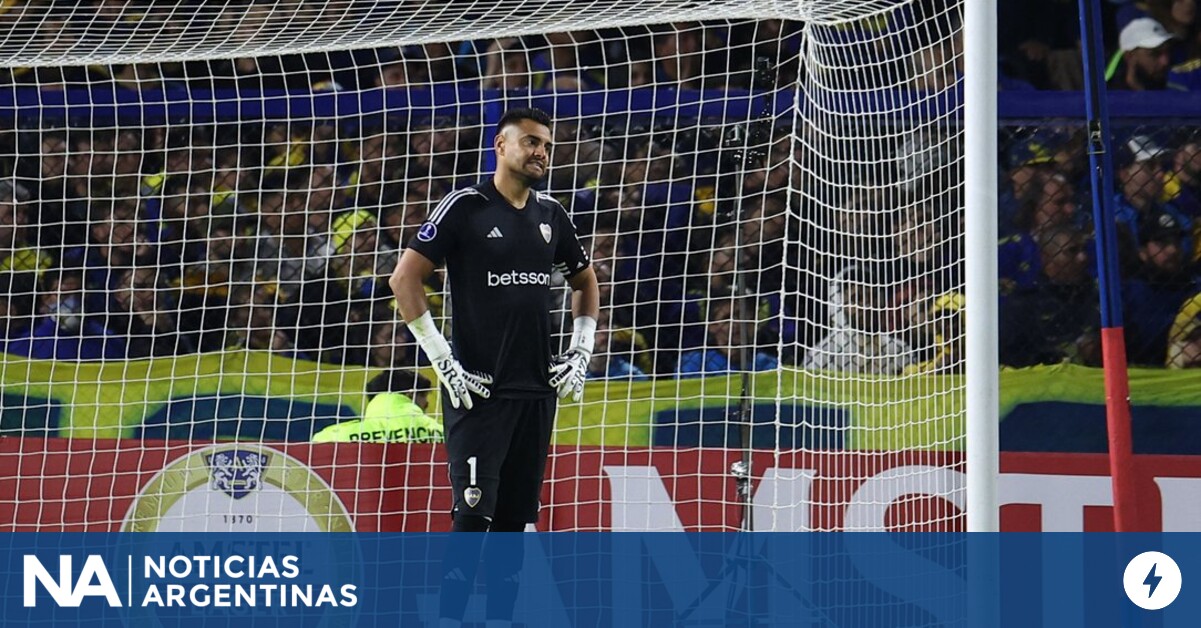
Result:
[
  {"x": 982, "y": 442},
  {"x": 791, "y": 207}
]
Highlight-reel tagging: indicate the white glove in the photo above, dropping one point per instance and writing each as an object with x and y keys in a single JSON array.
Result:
[
  {"x": 458, "y": 382},
  {"x": 568, "y": 371}
]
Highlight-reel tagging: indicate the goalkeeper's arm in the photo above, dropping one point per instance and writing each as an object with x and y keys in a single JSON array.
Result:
[
  {"x": 569, "y": 370},
  {"x": 407, "y": 284}
]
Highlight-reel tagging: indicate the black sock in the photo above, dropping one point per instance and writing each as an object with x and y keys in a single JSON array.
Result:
[
  {"x": 504, "y": 556},
  {"x": 460, "y": 562}
]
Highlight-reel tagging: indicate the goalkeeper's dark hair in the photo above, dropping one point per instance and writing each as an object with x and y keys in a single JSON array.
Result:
[
  {"x": 513, "y": 116},
  {"x": 404, "y": 381}
]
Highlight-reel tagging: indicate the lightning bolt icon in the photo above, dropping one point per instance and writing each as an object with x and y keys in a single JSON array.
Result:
[{"x": 1152, "y": 580}]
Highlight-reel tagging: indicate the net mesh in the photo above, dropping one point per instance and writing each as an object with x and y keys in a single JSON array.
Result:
[
  {"x": 119, "y": 31},
  {"x": 206, "y": 202}
]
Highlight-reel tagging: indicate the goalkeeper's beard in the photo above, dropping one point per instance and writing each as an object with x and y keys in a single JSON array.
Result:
[{"x": 530, "y": 180}]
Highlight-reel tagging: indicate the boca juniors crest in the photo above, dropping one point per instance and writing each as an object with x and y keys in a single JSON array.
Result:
[
  {"x": 237, "y": 488},
  {"x": 237, "y": 472}
]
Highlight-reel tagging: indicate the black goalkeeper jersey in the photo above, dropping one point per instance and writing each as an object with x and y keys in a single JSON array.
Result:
[{"x": 499, "y": 261}]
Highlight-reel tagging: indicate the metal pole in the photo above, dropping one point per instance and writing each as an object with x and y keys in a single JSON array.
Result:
[
  {"x": 738, "y": 140},
  {"x": 1113, "y": 342},
  {"x": 982, "y": 380},
  {"x": 750, "y": 144},
  {"x": 980, "y": 264}
]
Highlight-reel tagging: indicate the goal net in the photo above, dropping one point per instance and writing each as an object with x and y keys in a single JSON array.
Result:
[{"x": 201, "y": 204}]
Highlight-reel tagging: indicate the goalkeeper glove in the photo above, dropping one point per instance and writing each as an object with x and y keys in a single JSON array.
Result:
[
  {"x": 458, "y": 382},
  {"x": 568, "y": 371}
]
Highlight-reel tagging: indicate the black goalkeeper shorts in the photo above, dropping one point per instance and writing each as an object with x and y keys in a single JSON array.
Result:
[{"x": 497, "y": 455}]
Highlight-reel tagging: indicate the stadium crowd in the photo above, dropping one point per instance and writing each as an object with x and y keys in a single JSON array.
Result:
[{"x": 133, "y": 241}]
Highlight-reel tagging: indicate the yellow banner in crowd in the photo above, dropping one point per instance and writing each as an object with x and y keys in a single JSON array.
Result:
[
  {"x": 930, "y": 417},
  {"x": 114, "y": 399},
  {"x": 111, "y": 399}
]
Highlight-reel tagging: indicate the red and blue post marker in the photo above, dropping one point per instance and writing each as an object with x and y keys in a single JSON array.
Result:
[{"x": 1113, "y": 343}]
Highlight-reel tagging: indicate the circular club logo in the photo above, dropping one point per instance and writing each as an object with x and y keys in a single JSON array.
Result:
[
  {"x": 1152, "y": 580},
  {"x": 237, "y": 488},
  {"x": 427, "y": 232}
]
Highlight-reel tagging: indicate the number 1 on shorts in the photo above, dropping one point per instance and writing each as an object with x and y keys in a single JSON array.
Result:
[{"x": 471, "y": 471}]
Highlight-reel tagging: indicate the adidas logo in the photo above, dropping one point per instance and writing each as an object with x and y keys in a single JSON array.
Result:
[{"x": 495, "y": 233}]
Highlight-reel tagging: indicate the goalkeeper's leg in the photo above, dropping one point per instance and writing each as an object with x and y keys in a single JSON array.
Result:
[
  {"x": 504, "y": 556},
  {"x": 519, "y": 493},
  {"x": 460, "y": 562},
  {"x": 476, "y": 443},
  {"x": 517, "y": 505}
]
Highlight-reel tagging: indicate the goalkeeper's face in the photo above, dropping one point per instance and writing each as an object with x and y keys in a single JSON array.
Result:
[{"x": 523, "y": 149}]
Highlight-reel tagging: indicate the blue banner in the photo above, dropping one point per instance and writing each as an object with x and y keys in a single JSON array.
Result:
[
  {"x": 599, "y": 579},
  {"x": 149, "y": 106}
]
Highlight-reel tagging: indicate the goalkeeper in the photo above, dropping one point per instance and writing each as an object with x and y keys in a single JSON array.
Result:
[
  {"x": 500, "y": 241},
  {"x": 395, "y": 414}
]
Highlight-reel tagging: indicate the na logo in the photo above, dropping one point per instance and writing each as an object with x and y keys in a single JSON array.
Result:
[{"x": 69, "y": 591}]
